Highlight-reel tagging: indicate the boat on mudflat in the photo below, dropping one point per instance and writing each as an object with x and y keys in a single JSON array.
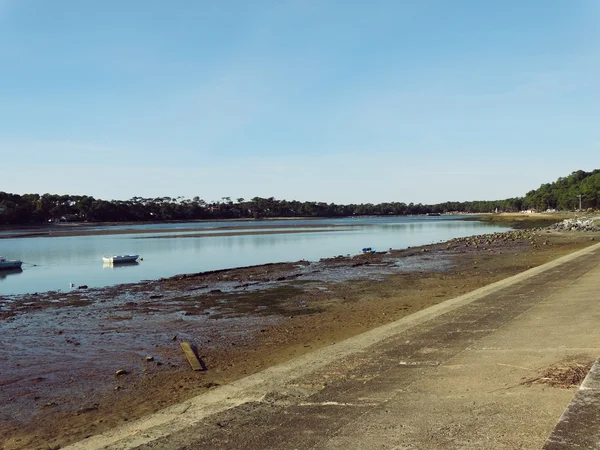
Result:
[
  {"x": 6, "y": 264},
  {"x": 119, "y": 259}
]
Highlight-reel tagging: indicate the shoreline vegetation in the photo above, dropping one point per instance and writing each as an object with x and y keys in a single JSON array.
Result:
[
  {"x": 578, "y": 191},
  {"x": 109, "y": 355}
]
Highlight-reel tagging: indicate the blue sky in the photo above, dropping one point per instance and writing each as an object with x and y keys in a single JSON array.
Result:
[{"x": 335, "y": 101}]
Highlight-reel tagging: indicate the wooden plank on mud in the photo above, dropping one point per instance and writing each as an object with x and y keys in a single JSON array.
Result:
[{"x": 190, "y": 356}]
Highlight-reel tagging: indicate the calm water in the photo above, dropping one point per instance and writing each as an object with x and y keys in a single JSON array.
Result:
[{"x": 78, "y": 259}]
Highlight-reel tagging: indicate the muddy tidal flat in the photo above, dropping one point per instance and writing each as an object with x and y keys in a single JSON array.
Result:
[{"x": 62, "y": 350}]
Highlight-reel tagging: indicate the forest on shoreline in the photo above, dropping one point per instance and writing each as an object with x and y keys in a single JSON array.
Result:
[{"x": 580, "y": 189}]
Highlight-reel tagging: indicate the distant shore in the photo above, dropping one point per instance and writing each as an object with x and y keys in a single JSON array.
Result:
[
  {"x": 90, "y": 228},
  {"x": 179, "y": 232},
  {"x": 522, "y": 220},
  {"x": 513, "y": 220}
]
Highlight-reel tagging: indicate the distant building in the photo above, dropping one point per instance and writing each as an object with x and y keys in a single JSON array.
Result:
[{"x": 69, "y": 218}]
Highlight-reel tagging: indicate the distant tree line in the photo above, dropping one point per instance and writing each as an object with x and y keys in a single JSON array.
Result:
[
  {"x": 38, "y": 209},
  {"x": 564, "y": 193}
]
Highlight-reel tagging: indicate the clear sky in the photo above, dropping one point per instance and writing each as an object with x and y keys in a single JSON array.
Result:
[{"x": 337, "y": 101}]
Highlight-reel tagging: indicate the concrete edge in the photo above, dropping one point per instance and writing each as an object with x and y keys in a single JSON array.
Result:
[
  {"x": 579, "y": 424},
  {"x": 256, "y": 386}
]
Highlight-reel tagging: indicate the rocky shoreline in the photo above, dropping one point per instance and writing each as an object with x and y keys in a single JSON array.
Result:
[{"x": 583, "y": 224}]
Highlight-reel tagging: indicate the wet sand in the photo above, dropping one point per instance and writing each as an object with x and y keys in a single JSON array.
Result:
[
  {"x": 259, "y": 228},
  {"x": 61, "y": 351}
]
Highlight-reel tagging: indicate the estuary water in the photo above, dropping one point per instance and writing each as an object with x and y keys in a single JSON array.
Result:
[{"x": 52, "y": 263}]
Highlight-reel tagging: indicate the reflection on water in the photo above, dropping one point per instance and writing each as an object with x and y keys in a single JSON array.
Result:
[
  {"x": 76, "y": 259},
  {"x": 112, "y": 265},
  {"x": 6, "y": 272}
]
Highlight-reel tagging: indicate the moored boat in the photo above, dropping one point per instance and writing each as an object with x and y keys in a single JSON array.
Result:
[
  {"x": 119, "y": 259},
  {"x": 9, "y": 264}
]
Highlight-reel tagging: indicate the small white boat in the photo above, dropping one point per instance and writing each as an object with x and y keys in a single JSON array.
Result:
[
  {"x": 9, "y": 264},
  {"x": 118, "y": 259}
]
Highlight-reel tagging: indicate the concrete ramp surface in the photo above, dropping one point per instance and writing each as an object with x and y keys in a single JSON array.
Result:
[{"x": 466, "y": 373}]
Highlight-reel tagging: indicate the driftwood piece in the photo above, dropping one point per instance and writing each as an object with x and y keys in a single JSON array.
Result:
[{"x": 191, "y": 356}]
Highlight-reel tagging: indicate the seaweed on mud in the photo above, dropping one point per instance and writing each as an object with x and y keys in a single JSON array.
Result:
[
  {"x": 278, "y": 300},
  {"x": 22, "y": 305},
  {"x": 268, "y": 301}
]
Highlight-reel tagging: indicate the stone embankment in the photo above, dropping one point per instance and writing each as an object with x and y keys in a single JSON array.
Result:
[
  {"x": 577, "y": 225},
  {"x": 499, "y": 239}
]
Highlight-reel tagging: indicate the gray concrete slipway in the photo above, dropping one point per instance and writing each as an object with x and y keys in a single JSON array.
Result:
[{"x": 450, "y": 376}]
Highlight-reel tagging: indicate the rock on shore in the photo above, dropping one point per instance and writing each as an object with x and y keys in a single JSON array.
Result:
[{"x": 577, "y": 225}]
